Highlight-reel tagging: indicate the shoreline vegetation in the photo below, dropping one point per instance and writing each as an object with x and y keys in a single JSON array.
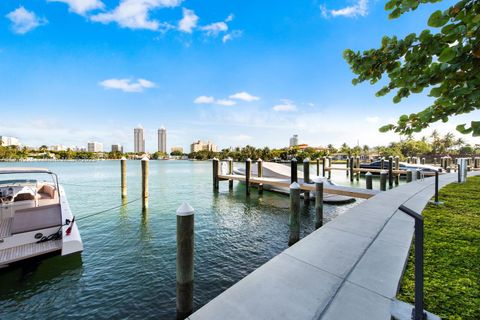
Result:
[
  {"x": 428, "y": 147},
  {"x": 452, "y": 254}
]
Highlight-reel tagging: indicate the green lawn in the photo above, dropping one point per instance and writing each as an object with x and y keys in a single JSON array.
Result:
[{"x": 452, "y": 254}]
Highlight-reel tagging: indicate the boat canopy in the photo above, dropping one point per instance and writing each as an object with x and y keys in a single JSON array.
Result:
[{"x": 14, "y": 170}]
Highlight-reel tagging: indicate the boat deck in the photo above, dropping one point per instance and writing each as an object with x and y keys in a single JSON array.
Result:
[
  {"x": 6, "y": 227},
  {"x": 30, "y": 250}
]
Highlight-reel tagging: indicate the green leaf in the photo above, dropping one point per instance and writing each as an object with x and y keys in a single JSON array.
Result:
[
  {"x": 395, "y": 14},
  {"x": 436, "y": 92},
  {"x": 437, "y": 19},
  {"x": 386, "y": 128},
  {"x": 390, "y": 5},
  {"x": 447, "y": 55}
]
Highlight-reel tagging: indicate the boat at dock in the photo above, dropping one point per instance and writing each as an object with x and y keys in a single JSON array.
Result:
[
  {"x": 283, "y": 172},
  {"x": 35, "y": 217}
]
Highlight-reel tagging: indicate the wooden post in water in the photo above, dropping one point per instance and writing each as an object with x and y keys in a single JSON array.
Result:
[
  {"x": 435, "y": 161},
  {"x": 145, "y": 162},
  {"x": 419, "y": 174},
  {"x": 306, "y": 170},
  {"x": 185, "y": 260},
  {"x": 324, "y": 164},
  {"x": 423, "y": 161},
  {"x": 318, "y": 167},
  {"x": 382, "y": 163},
  {"x": 397, "y": 167},
  {"x": 248, "y": 172},
  {"x": 368, "y": 178},
  {"x": 260, "y": 174},
  {"x": 230, "y": 171},
  {"x": 293, "y": 171},
  {"x": 294, "y": 213},
  {"x": 390, "y": 172},
  {"x": 215, "y": 173},
  {"x": 346, "y": 165},
  {"x": 330, "y": 167},
  {"x": 352, "y": 165},
  {"x": 123, "y": 177},
  {"x": 318, "y": 204},
  {"x": 358, "y": 167},
  {"x": 409, "y": 175},
  {"x": 383, "y": 180}
]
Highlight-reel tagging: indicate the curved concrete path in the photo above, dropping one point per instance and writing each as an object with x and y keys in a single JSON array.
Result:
[{"x": 348, "y": 269}]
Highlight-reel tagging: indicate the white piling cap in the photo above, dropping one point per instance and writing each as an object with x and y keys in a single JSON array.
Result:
[
  {"x": 229, "y": 159},
  {"x": 249, "y": 159},
  {"x": 294, "y": 185},
  {"x": 368, "y": 173},
  {"x": 145, "y": 158},
  {"x": 214, "y": 158},
  {"x": 317, "y": 180},
  {"x": 185, "y": 210},
  {"x": 294, "y": 159},
  {"x": 306, "y": 160},
  {"x": 123, "y": 158},
  {"x": 259, "y": 159}
]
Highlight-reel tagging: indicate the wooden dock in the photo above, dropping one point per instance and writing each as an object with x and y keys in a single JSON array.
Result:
[{"x": 285, "y": 183}]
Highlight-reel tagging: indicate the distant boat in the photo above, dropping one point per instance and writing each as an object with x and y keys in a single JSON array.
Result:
[{"x": 35, "y": 217}]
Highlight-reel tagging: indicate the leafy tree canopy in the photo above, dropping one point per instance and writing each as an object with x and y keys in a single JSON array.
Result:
[{"x": 444, "y": 60}]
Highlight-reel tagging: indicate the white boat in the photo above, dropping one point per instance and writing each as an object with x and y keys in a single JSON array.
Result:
[{"x": 35, "y": 217}]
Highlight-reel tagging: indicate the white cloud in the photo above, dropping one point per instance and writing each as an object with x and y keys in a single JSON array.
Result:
[
  {"x": 204, "y": 100},
  {"x": 358, "y": 9},
  {"x": 215, "y": 28},
  {"x": 212, "y": 100},
  {"x": 372, "y": 119},
  {"x": 24, "y": 21},
  {"x": 225, "y": 102},
  {"x": 126, "y": 85},
  {"x": 286, "y": 105},
  {"x": 245, "y": 96},
  {"x": 232, "y": 35},
  {"x": 188, "y": 22},
  {"x": 134, "y": 14},
  {"x": 82, "y": 6}
]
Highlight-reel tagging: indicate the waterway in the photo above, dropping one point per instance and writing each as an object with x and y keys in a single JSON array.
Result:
[{"x": 127, "y": 269}]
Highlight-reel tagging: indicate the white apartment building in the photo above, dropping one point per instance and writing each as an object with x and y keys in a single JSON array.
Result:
[
  {"x": 294, "y": 140},
  {"x": 162, "y": 140},
  {"x": 9, "y": 141},
  {"x": 95, "y": 147},
  {"x": 201, "y": 146},
  {"x": 117, "y": 148},
  {"x": 138, "y": 140}
]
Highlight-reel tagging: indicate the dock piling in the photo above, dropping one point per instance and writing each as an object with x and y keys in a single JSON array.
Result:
[
  {"x": 260, "y": 174},
  {"x": 390, "y": 172},
  {"x": 215, "y": 168},
  {"x": 357, "y": 164},
  {"x": 383, "y": 181},
  {"x": 293, "y": 171},
  {"x": 409, "y": 175},
  {"x": 294, "y": 214},
  {"x": 324, "y": 164},
  {"x": 318, "y": 204},
  {"x": 123, "y": 176},
  {"x": 185, "y": 260},
  {"x": 368, "y": 178},
  {"x": 306, "y": 170},
  {"x": 145, "y": 162},
  {"x": 351, "y": 168},
  {"x": 248, "y": 172},
  {"x": 230, "y": 171},
  {"x": 318, "y": 166},
  {"x": 330, "y": 167},
  {"x": 397, "y": 167}
]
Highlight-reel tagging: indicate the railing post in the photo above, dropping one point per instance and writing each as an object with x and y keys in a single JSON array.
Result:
[
  {"x": 318, "y": 204},
  {"x": 418, "y": 312},
  {"x": 324, "y": 164},
  {"x": 293, "y": 171}
]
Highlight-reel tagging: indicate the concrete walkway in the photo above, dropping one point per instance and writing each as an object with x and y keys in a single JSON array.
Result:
[{"x": 348, "y": 269}]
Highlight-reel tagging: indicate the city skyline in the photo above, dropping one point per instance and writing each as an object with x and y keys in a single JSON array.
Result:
[{"x": 280, "y": 73}]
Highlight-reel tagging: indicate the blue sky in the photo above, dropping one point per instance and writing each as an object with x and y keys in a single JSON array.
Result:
[{"x": 233, "y": 72}]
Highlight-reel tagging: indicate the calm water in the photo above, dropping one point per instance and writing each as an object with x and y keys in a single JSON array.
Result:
[{"x": 127, "y": 269}]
